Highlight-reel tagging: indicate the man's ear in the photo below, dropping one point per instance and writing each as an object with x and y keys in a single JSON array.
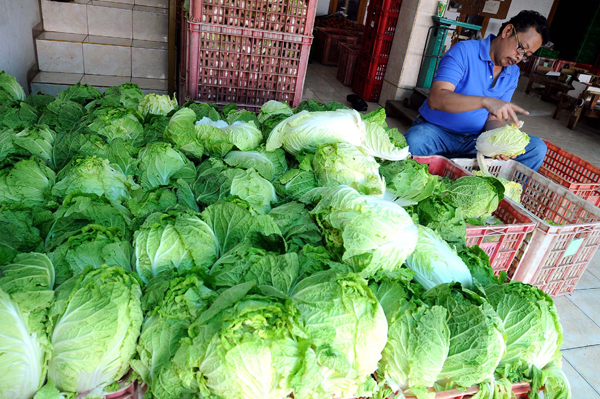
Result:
[{"x": 507, "y": 31}]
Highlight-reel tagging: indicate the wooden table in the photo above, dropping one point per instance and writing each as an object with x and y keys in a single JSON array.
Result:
[
  {"x": 551, "y": 85},
  {"x": 584, "y": 105}
]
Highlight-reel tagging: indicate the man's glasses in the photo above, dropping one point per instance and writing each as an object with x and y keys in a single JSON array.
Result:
[{"x": 520, "y": 49}]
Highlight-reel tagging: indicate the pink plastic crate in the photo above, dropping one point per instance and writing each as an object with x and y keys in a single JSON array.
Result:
[
  {"x": 283, "y": 16},
  {"x": 579, "y": 176},
  {"x": 567, "y": 233},
  {"x": 244, "y": 66},
  {"x": 521, "y": 391},
  {"x": 500, "y": 242}
]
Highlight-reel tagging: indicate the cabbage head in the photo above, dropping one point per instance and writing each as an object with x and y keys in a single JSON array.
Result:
[
  {"x": 408, "y": 182},
  {"x": 308, "y": 130},
  {"x": 160, "y": 162},
  {"x": 245, "y": 346},
  {"x": 171, "y": 305},
  {"x": 533, "y": 330},
  {"x": 10, "y": 90},
  {"x": 434, "y": 262},
  {"x": 270, "y": 165},
  {"x": 478, "y": 197},
  {"x": 28, "y": 181},
  {"x": 219, "y": 137},
  {"x": 157, "y": 104},
  {"x": 344, "y": 164},
  {"x": 477, "y": 341},
  {"x": 113, "y": 123},
  {"x": 373, "y": 235},
  {"x": 507, "y": 140},
  {"x": 418, "y": 338},
  {"x": 25, "y": 295},
  {"x": 272, "y": 108},
  {"x": 348, "y": 331},
  {"x": 182, "y": 134},
  {"x": 173, "y": 240},
  {"x": 96, "y": 321},
  {"x": 96, "y": 176}
]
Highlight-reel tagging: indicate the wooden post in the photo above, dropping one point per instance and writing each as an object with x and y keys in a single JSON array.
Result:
[{"x": 172, "y": 37}]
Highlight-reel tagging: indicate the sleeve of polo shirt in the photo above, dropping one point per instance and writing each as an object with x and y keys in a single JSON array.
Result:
[{"x": 452, "y": 66}]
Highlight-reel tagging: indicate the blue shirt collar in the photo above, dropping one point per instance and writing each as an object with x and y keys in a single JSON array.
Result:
[{"x": 484, "y": 51}]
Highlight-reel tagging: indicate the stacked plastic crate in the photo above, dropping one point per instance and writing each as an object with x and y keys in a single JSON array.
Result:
[
  {"x": 246, "y": 51},
  {"x": 380, "y": 26}
]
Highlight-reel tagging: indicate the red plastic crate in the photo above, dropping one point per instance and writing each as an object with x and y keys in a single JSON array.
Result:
[
  {"x": 327, "y": 44},
  {"x": 381, "y": 22},
  {"x": 365, "y": 88},
  {"x": 348, "y": 55},
  {"x": 500, "y": 242},
  {"x": 284, "y": 16},
  {"x": 520, "y": 389},
  {"x": 372, "y": 68},
  {"x": 560, "y": 64},
  {"x": 378, "y": 46},
  {"x": 387, "y": 5},
  {"x": 579, "y": 176},
  {"x": 567, "y": 233},
  {"x": 244, "y": 66}
]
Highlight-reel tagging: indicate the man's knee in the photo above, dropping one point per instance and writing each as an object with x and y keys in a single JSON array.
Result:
[
  {"x": 537, "y": 152},
  {"x": 421, "y": 139}
]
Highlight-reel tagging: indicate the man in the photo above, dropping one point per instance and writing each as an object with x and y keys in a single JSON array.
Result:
[{"x": 472, "y": 90}]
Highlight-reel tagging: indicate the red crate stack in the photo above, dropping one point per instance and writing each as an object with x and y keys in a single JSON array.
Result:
[
  {"x": 380, "y": 27},
  {"x": 246, "y": 52}
]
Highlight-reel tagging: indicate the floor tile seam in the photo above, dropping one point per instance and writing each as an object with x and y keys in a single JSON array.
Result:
[
  {"x": 583, "y": 311},
  {"x": 582, "y": 377},
  {"x": 580, "y": 347}
]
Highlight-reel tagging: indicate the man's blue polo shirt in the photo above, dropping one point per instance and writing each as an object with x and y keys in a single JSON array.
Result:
[{"x": 468, "y": 66}]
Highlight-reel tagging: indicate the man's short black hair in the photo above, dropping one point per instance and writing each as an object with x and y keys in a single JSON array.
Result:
[{"x": 530, "y": 19}]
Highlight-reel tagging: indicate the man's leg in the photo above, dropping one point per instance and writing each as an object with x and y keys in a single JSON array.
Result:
[
  {"x": 424, "y": 138},
  {"x": 534, "y": 153}
]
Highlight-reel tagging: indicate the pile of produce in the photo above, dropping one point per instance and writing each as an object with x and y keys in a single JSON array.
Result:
[{"x": 220, "y": 253}]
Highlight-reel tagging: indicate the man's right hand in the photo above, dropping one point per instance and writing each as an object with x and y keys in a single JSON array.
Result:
[{"x": 503, "y": 110}]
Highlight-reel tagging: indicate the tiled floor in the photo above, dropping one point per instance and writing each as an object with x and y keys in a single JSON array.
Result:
[{"x": 579, "y": 312}]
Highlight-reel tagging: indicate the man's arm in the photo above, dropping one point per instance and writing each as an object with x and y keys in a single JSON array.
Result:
[
  {"x": 492, "y": 123},
  {"x": 443, "y": 98}
]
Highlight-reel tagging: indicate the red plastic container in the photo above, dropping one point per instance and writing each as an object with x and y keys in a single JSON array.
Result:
[
  {"x": 579, "y": 176},
  {"x": 500, "y": 242},
  {"x": 244, "y": 66},
  {"x": 365, "y": 88},
  {"x": 327, "y": 44},
  {"x": 387, "y": 5},
  {"x": 521, "y": 391},
  {"x": 348, "y": 55},
  {"x": 373, "y": 68},
  {"x": 284, "y": 16},
  {"x": 381, "y": 22},
  {"x": 377, "y": 46},
  {"x": 567, "y": 233},
  {"x": 560, "y": 64}
]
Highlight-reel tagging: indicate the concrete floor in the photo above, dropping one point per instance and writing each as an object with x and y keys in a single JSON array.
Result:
[{"x": 580, "y": 311}]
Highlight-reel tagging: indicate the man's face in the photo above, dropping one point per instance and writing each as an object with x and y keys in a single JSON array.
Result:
[{"x": 511, "y": 53}]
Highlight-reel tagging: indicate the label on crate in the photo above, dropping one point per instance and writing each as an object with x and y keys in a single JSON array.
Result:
[{"x": 573, "y": 247}]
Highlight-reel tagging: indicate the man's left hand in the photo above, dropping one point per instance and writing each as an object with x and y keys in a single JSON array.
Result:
[{"x": 503, "y": 157}]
